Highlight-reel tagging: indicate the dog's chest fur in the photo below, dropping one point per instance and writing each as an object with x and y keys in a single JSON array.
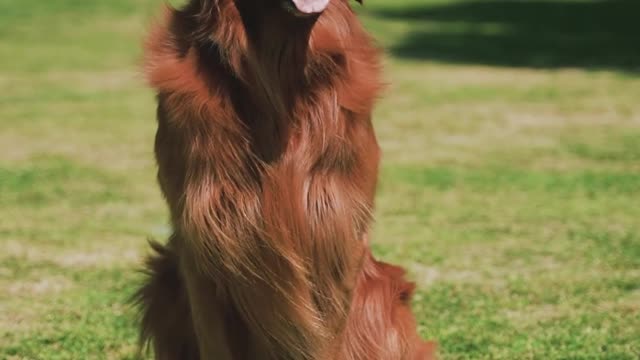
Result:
[{"x": 240, "y": 169}]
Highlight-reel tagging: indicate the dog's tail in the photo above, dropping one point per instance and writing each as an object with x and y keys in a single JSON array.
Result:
[{"x": 165, "y": 313}]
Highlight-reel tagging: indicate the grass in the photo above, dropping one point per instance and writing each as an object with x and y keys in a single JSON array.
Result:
[{"x": 509, "y": 188}]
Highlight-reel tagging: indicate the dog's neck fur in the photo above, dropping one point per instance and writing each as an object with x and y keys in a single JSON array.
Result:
[
  {"x": 262, "y": 45},
  {"x": 289, "y": 69},
  {"x": 267, "y": 47}
]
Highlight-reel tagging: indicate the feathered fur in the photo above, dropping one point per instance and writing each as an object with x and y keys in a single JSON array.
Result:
[{"x": 268, "y": 161}]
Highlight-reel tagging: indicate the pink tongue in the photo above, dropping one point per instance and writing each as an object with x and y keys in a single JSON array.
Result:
[{"x": 311, "y": 6}]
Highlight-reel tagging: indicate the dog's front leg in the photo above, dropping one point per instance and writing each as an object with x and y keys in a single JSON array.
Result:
[{"x": 207, "y": 313}]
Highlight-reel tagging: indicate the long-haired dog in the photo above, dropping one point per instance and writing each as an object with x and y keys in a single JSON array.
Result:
[{"x": 268, "y": 161}]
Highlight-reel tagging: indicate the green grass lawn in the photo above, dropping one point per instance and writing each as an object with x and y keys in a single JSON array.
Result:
[{"x": 510, "y": 186}]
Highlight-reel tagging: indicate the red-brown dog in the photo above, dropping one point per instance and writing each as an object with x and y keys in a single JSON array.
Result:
[{"x": 268, "y": 160}]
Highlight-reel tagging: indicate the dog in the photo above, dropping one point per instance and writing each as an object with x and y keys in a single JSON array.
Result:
[{"x": 268, "y": 161}]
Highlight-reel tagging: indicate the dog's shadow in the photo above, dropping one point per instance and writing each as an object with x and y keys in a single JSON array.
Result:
[{"x": 539, "y": 34}]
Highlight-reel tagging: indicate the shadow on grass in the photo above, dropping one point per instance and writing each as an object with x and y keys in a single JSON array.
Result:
[{"x": 543, "y": 34}]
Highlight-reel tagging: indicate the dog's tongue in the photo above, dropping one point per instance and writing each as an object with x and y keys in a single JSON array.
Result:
[{"x": 310, "y": 6}]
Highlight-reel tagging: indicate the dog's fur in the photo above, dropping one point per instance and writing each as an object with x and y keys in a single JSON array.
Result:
[{"x": 268, "y": 161}]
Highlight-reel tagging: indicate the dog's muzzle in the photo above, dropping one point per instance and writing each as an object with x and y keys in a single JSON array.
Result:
[{"x": 305, "y": 7}]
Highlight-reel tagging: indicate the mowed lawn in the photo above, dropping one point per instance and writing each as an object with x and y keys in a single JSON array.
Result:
[{"x": 510, "y": 186}]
